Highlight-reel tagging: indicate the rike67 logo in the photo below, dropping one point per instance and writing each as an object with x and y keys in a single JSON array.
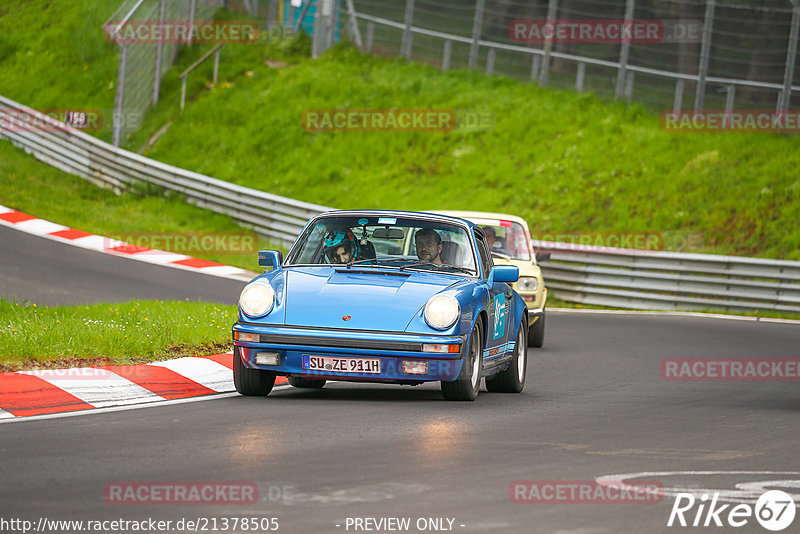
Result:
[{"x": 774, "y": 510}]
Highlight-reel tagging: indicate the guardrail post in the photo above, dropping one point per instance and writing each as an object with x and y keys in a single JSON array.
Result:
[
  {"x": 629, "y": 86},
  {"x": 580, "y": 76},
  {"x": 552, "y": 9},
  {"x": 678, "y": 102},
  {"x": 477, "y": 26},
  {"x": 446, "y": 54},
  {"x": 791, "y": 58},
  {"x": 624, "y": 51},
  {"x": 370, "y": 36},
  {"x": 536, "y": 63},
  {"x": 159, "y": 50},
  {"x": 216, "y": 66},
  {"x": 705, "y": 53},
  {"x": 120, "y": 96},
  {"x": 408, "y": 37},
  {"x": 490, "y": 57},
  {"x": 730, "y": 98}
]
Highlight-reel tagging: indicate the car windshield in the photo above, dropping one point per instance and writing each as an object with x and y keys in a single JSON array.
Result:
[
  {"x": 508, "y": 238},
  {"x": 395, "y": 242}
]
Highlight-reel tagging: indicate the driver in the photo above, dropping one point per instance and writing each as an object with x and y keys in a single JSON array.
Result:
[
  {"x": 429, "y": 245},
  {"x": 341, "y": 246}
]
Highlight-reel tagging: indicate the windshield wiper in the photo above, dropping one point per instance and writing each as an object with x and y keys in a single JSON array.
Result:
[
  {"x": 457, "y": 268},
  {"x": 374, "y": 261},
  {"x": 420, "y": 264}
]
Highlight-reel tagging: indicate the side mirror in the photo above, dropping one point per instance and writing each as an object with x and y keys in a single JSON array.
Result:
[
  {"x": 542, "y": 256},
  {"x": 270, "y": 258},
  {"x": 504, "y": 273}
]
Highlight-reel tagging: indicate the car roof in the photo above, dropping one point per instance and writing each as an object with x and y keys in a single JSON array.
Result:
[
  {"x": 440, "y": 216},
  {"x": 470, "y": 215}
]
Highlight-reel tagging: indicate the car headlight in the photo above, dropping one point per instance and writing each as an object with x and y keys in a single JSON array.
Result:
[
  {"x": 528, "y": 284},
  {"x": 442, "y": 311},
  {"x": 257, "y": 298}
]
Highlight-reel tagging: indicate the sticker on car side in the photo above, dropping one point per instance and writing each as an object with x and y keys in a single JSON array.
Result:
[{"x": 499, "y": 316}]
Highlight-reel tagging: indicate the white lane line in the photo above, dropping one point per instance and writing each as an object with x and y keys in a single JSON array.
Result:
[
  {"x": 207, "y": 372},
  {"x": 40, "y": 227},
  {"x": 97, "y": 387}
]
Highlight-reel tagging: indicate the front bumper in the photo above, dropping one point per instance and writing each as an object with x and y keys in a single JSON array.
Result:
[{"x": 293, "y": 343}]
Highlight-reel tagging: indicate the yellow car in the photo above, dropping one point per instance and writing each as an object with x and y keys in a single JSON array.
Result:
[{"x": 510, "y": 241}]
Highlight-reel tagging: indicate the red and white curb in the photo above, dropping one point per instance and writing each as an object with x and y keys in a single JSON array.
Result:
[
  {"x": 51, "y": 391},
  {"x": 57, "y": 232}
]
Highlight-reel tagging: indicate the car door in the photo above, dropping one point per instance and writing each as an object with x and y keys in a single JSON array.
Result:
[{"x": 498, "y": 308}]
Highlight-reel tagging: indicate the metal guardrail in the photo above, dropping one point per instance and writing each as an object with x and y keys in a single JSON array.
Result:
[
  {"x": 603, "y": 276},
  {"x": 654, "y": 280},
  {"x": 278, "y": 218}
]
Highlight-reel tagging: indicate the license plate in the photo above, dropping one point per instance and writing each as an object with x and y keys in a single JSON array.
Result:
[{"x": 336, "y": 364}]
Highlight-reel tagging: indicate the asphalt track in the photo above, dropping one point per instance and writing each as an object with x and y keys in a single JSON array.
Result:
[{"x": 594, "y": 404}]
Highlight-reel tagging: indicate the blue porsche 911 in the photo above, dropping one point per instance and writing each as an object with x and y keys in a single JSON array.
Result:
[{"x": 383, "y": 296}]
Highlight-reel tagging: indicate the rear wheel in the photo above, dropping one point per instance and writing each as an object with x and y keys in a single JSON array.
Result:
[
  {"x": 536, "y": 333},
  {"x": 250, "y": 382},
  {"x": 512, "y": 380},
  {"x": 298, "y": 382},
  {"x": 466, "y": 386}
]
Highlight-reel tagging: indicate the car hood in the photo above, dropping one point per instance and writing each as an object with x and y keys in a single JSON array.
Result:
[{"x": 372, "y": 298}]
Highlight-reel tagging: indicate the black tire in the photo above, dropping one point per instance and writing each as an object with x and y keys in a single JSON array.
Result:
[
  {"x": 251, "y": 382},
  {"x": 298, "y": 382},
  {"x": 512, "y": 379},
  {"x": 466, "y": 386},
  {"x": 536, "y": 333}
]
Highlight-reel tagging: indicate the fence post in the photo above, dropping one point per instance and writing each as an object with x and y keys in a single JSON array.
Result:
[
  {"x": 477, "y": 26},
  {"x": 120, "y": 96},
  {"x": 791, "y": 57},
  {"x": 446, "y": 54},
  {"x": 678, "y": 102},
  {"x": 705, "y": 53},
  {"x": 216, "y": 65},
  {"x": 552, "y": 9},
  {"x": 580, "y": 76},
  {"x": 407, "y": 35},
  {"x": 301, "y": 18},
  {"x": 370, "y": 36},
  {"x": 162, "y": 15},
  {"x": 272, "y": 14},
  {"x": 192, "y": 15},
  {"x": 356, "y": 32},
  {"x": 624, "y": 52}
]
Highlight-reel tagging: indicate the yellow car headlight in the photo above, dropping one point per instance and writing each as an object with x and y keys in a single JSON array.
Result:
[
  {"x": 257, "y": 298},
  {"x": 528, "y": 284}
]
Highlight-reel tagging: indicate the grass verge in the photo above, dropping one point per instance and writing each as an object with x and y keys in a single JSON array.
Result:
[{"x": 34, "y": 336}]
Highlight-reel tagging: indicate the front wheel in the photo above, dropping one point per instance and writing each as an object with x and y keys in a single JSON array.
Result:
[
  {"x": 466, "y": 386},
  {"x": 250, "y": 382},
  {"x": 536, "y": 333},
  {"x": 512, "y": 379}
]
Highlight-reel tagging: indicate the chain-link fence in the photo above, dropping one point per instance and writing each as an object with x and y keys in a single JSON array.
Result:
[
  {"x": 708, "y": 54},
  {"x": 142, "y": 64}
]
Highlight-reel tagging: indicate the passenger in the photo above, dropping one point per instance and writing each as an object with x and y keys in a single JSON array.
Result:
[
  {"x": 429, "y": 245},
  {"x": 341, "y": 246}
]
